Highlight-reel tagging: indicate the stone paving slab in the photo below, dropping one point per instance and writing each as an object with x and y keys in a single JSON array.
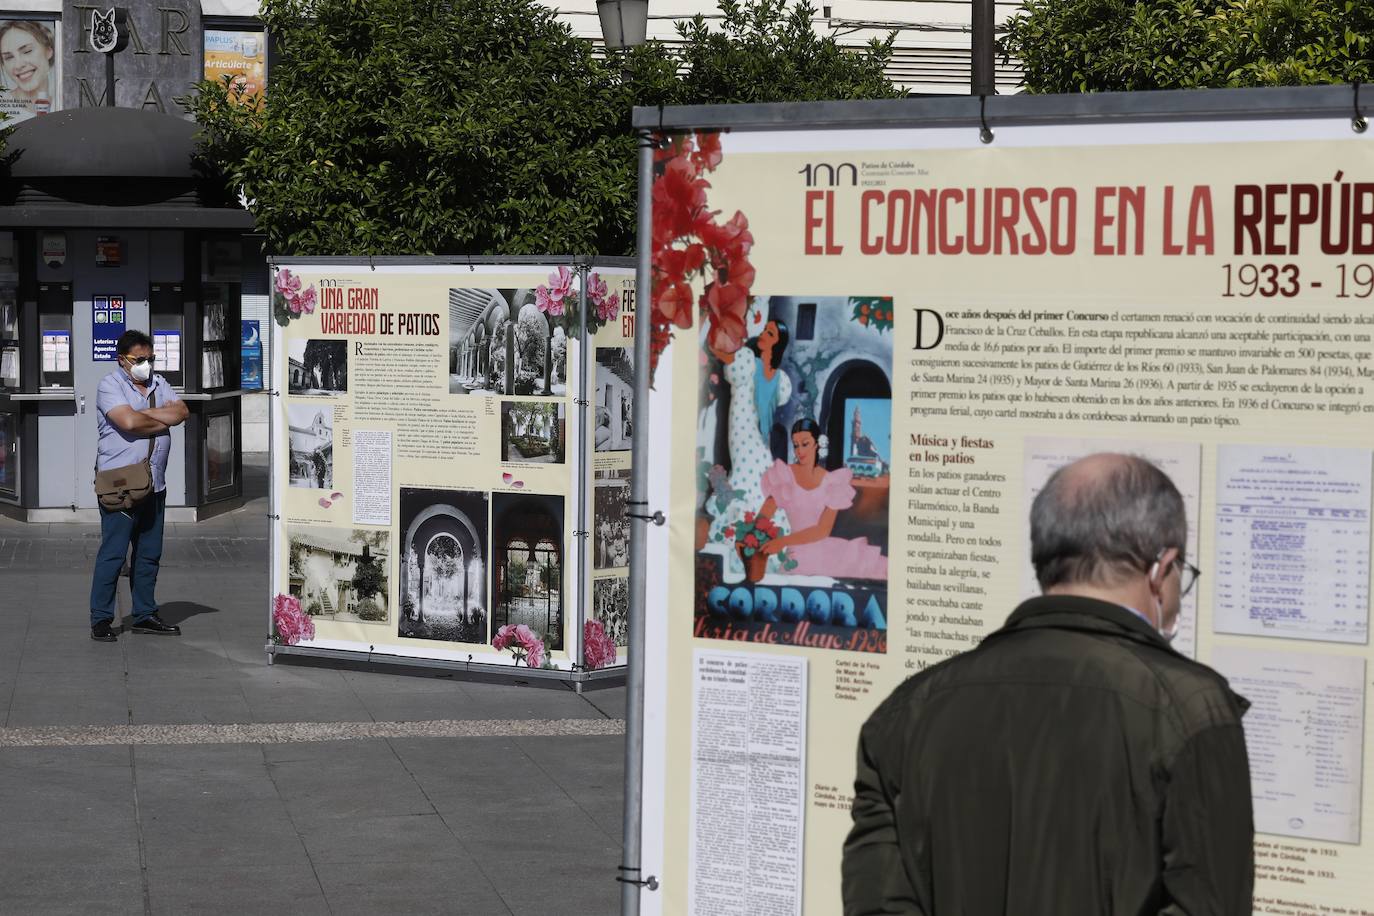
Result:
[{"x": 172, "y": 775}]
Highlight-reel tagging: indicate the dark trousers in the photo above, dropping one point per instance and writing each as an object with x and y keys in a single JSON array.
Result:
[{"x": 141, "y": 528}]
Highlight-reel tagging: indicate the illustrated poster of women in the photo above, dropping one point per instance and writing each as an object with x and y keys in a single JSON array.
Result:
[{"x": 758, "y": 387}]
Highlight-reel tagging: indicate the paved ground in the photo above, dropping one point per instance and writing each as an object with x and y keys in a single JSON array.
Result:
[{"x": 186, "y": 775}]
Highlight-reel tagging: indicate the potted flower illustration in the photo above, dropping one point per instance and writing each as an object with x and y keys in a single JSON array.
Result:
[{"x": 750, "y": 535}]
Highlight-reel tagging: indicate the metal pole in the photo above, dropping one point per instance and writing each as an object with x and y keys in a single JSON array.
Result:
[
  {"x": 639, "y": 473},
  {"x": 109, "y": 80},
  {"x": 983, "y": 81},
  {"x": 585, "y": 494}
]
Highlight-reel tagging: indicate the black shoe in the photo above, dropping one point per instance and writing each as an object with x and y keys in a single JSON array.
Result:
[
  {"x": 151, "y": 624},
  {"x": 101, "y": 632}
]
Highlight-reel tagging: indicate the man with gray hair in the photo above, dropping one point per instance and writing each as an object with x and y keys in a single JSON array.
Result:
[{"x": 1073, "y": 763}]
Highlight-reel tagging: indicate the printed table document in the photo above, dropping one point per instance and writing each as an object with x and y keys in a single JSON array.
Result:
[
  {"x": 1304, "y": 732},
  {"x": 1292, "y": 552}
]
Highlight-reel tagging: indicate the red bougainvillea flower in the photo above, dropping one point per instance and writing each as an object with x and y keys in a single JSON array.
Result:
[
  {"x": 675, "y": 304},
  {"x": 707, "y": 155},
  {"x": 679, "y": 201},
  {"x": 748, "y": 516}
]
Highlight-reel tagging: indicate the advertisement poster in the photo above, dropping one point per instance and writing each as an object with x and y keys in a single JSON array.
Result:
[
  {"x": 30, "y": 69},
  {"x": 107, "y": 326},
  {"x": 875, "y": 346},
  {"x": 240, "y": 56},
  {"x": 250, "y": 364},
  {"x": 432, "y": 494}
]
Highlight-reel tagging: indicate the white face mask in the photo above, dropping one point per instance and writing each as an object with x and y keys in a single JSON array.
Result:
[
  {"x": 141, "y": 372},
  {"x": 1172, "y": 629}
]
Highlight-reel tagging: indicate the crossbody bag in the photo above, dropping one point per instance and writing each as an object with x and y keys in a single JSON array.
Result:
[{"x": 121, "y": 489}]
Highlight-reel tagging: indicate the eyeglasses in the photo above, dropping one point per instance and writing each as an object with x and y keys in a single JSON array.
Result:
[
  {"x": 140, "y": 360},
  {"x": 1188, "y": 574}
]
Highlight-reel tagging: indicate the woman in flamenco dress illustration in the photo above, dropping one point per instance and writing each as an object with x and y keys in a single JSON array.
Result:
[
  {"x": 758, "y": 387},
  {"x": 812, "y": 496}
]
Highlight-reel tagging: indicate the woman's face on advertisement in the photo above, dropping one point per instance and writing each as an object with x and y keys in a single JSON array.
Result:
[
  {"x": 804, "y": 447},
  {"x": 769, "y": 335},
  {"x": 25, "y": 59}
]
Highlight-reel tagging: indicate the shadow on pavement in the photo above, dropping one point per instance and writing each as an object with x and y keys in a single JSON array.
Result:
[{"x": 175, "y": 612}]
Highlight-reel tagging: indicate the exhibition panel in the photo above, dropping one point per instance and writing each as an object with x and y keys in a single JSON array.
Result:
[
  {"x": 878, "y": 328},
  {"x": 444, "y": 474}
]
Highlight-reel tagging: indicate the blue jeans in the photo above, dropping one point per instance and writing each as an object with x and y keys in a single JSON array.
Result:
[{"x": 142, "y": 528}]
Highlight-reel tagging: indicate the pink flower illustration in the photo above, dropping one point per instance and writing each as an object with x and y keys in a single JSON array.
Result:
[
  {"x": 307, "y": 300},
  {"x": 598, "y": 649},
  {"x": 522, "y": 642},
  {"x": 292, "y": 624},
  {"x": 287, "y": 283},
  {"x": 549, "y": 299},
  {"x": 608, "y": 309}
]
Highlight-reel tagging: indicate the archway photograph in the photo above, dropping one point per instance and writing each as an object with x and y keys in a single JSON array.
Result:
[
  {"x": 500, "y": 343},
  {"x": 527, "y": 564},
  {"x": 318, "y": 368},
  {"x": 443, "y": 565}
]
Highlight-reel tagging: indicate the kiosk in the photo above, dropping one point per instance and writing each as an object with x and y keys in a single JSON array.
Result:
[{"x": 105, "y": 225}]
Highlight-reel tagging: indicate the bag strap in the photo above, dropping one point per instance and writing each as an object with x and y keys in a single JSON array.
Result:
[{"x": 152, "y": 402}]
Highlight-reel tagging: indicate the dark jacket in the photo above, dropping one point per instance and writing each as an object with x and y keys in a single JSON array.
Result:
[{"x": 1073, "y": 764}]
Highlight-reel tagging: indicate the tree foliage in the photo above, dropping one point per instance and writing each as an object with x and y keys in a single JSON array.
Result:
[
  {"x": 484, "y": 126},
  {"x": 1104, "y": 45},
  {"x": 763, "y": 51}
]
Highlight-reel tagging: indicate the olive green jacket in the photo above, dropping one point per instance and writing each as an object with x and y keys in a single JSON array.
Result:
[{"x": 1073, "y": 764}]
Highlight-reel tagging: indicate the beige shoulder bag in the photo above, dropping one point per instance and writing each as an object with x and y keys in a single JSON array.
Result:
[{"x": 123, "y": 488}]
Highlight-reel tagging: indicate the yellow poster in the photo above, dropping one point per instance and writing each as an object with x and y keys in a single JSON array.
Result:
[
  {"x": 429, "y": 484},
  {"x": 241, "y": 56},
  {"x": 875, "y": 346}
]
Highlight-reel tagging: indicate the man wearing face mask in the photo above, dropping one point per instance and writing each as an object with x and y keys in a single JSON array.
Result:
[
  {"x": 133, "y": 405},
  {"x": 1072, "y": 763}
]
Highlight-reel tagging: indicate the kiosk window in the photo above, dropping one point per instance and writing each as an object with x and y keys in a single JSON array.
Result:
[
  {"x": 55, "y": 335},
  {"x": 56, "y": 331},
  {"x": 219, "y": 453},
  {"x": 9, "y": 454},
  {"x": 165, "y": 308}
]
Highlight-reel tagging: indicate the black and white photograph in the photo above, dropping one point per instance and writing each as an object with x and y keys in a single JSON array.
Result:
[
  {"x": 444, "y": 557},
  {"x": 317, "y": 368},
  {"x": 610, "y": 528},
  {"x": 500, "y": 343},
  {"x": 211, "y": 369},
  {"x": 534, "y": 432},
  {"x": 611, "y": 606},
  {"x": 213, "y": 320},
  {"x": 341, "y": 573},
  {"x": 527, "y": 564},
  {"x": 614, "y": 403},
  {"x": 311, "y": 435},
  {"x": 9, "y": 315}
]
